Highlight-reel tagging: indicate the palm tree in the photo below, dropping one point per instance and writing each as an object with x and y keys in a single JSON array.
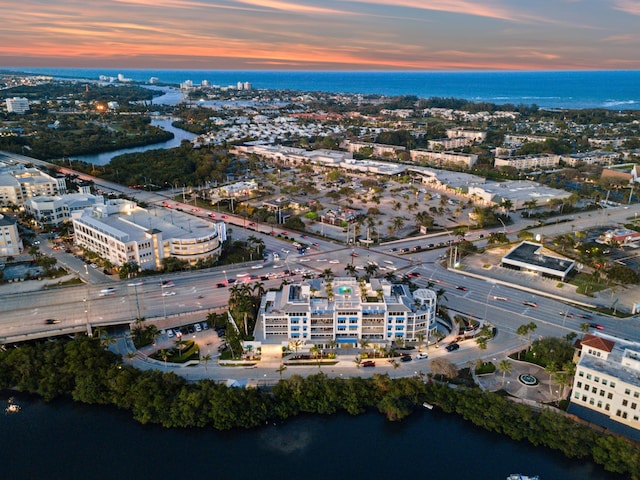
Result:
[
  {"x": 164, "y": 354},
  {"x": 551, "y": 369},
  {"x": 296, "y": 344},
  {"x": 351, "y": 270},
  {"x": 364, "y": 344},
  {"x": 180, "y": 344},
  {"x": 327, "y": 274},
  {"x": 371, "y": 269},
  {"x": 505, "y": 367},
  {"x": 522, "y": 332},
  {"x": 420, "y": 337},
  {"x": 333, "y": 345},
  {"x": 397, "y": 223},
  {"x": 317, "y": 353},
  {"x": 258, "y": 289},
  {"x": 507, "y": 205},
  {"x": 281, "y": 369},
  {"x": 531, "y": 328}
]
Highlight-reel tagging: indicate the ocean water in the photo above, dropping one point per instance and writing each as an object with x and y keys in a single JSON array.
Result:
[{"x": 617, "y": 90}]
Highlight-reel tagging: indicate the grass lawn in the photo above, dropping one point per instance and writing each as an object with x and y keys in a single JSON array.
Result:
[
  {"x": 586, "y": 284},
  {"x": 190, "y": 351}
]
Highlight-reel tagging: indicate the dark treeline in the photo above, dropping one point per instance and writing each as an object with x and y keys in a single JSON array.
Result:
[{"x": 85, "y": 371}]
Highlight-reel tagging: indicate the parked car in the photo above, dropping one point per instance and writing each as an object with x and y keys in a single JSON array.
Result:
[
  {"x": 170, "y": 333},
  {"x": 205, "y": 326},
  {"x": 198, "y": 327},
  {"x": 405, "y": 358},
  {"x": 452, "y": 347},
  {"x": 368, "y": 363},
  {"x": 421, "y": 356}
]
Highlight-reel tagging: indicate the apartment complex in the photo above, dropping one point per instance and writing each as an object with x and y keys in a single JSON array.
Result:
[
  {"x": 527, "y": 162},
  {"x": 121, "y": 232},
  {"x": 591, "y": 158},
  {"x": 10, "y": 242},
  {"x": 606, "y": 387},
  {"x": 346, "y": 310},
  {"x": 439, "y": 158}
]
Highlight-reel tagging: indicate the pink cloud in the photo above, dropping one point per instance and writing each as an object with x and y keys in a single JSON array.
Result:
[{"x": 627, "y": 6}]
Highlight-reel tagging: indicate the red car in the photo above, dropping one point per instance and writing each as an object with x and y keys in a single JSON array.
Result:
[
  {"x": 368, "y": 363},
  {"x": 225, "y": 217}
]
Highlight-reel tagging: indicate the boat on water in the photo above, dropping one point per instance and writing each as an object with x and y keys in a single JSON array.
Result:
[
  {"x": 519, "y": 476},
  {"x": 12, "y": 407},
  {"x": 428, "y": 406}
]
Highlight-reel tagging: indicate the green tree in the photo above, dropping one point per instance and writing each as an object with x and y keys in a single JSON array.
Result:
[{"x": 504, "y": 366}]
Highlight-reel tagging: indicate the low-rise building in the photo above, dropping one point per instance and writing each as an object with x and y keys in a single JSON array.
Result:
[
  {"x": 54, "y": 210},
  {"x": 606, "y": 386},
  {"x": 532, "y": 257},
  {"x": 521, "y": 194},
  {"x": 346, "y": 310},
  {"x": 18, "y": 184},
  {"x": 379, "y": 149},
  {"x": 449, "y": 143},
  {"x": 590, "y": 158},
  {"x": 440, "y": 158},
  {"x": 120, "y": 231},
  {"x": 473, "y": 135},
  {"x": 528, "y": 162}
]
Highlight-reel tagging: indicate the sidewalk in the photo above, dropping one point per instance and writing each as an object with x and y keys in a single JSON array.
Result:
[{"x": 33, "y": 285}]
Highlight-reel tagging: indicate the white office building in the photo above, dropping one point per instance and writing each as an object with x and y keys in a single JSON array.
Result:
[
  {"x": 56, "y": 209},
  {"x": 18, "y": 184},
  {"x": 120, "y": 231},
  {"x": 606, "y": 386},
  {"x": 346, "y": 310}
]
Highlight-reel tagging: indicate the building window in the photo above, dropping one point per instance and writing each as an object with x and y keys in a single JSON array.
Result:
[
  {"x": 599, "y": 403},
  {"x": 602, "y": 393},
  {"x": 588, "y": 376},
  {"x": 591, "y": 401},
  {"x": 579, "y": 385},
  {"x": 618, "y": 413},
  {"x": 596, "y": 379},
  {"x": 576, "y": 395},
  {"x": 584, "y": 398},
  {"x": 610, "y": 395},
  {"x": 586, "y": 387},
  {"x": 613, "y": 384},
  {"x": 624, "y": 415},
  {"x": 624, "y": 403},
  {"x": 633, "y": 406},
  {"x": 607, "y": 407},
  {"x": 604, "y": 381},
  {"x": 581, "y": 373},
  {"x": 627, "y": 391},
  {"x": 594, "y": 390}
]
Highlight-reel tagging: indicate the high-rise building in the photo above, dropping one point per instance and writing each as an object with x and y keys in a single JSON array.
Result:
[{"x": 17, "y": 105}]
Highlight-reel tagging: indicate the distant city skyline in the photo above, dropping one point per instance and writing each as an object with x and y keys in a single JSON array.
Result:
[{"x": 323, "y": 34}]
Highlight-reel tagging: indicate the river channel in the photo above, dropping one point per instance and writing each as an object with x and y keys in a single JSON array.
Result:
[
  {"x": 164, "y": 123},
  {"x": 64, "y": 440}
]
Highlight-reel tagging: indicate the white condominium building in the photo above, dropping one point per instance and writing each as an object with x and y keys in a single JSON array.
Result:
[
  {"x": 121, "y": 232},
  {"x": 10, "y": 242},
  {"x": 346, "y": 310},
  {"x": 607, "y": 382},
  {"x": 17, "y": 105}
]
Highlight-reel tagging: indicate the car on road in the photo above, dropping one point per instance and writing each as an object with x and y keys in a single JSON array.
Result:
[
  {"x": 252, "y": 224},
  {"x": 413, "y": 275},
  {"x": 405, "y": 358},
  {"x": 284, "y": 233},
  {"x": 421, "y": 356},
  {"x": 224, "y": 217},
  {"x": 256, "y": 267},
  {"x": 135, "y": 284},
  {"x": 284, "y": 250},
  {"x": 334, "y": 261},
  {"x": 530, "y": 304},
  {"x": 168, "y": 294},
  {"x": 166, "y": 284},
  {"x": 220, "y": 285},
  {"x": 567, "y": 314},
  {"x": 212, "y": 215},
  {"x": 51, "y": 321},
  {"x": 586, "y": 316},
  {"x": 597, "y": 326},
  {"x": 502, "y": 299},
  {"x": 368, "y": 363},
  {"x": 452, "y": 347},
  {"x": 464, "y": 289},
  {"x": 355, "y": 254},
  {"x": 107, "y": 291}
]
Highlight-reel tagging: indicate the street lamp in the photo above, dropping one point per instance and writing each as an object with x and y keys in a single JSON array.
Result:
[{"x": 486, "y": 305}]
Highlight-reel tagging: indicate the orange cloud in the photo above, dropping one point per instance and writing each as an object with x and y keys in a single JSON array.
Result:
[{"x": 627, "y": 6}]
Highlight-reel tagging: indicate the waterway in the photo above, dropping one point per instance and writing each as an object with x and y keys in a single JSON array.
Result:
[
  {"x": 164, "y": 123},
  {"x": 63, "y": 440}
]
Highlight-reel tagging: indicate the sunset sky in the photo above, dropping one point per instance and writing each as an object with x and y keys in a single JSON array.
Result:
[{"x": 322, "y": 34}]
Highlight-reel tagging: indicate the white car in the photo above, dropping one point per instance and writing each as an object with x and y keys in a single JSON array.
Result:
[
  {"x": 197, "y": 327},
  {"x": 135, "y": 284},
  {"x": 334, "y": 261},
  {"x": 284, "y": 250},
  {"x": 421, "y": 356},
  {"x": 256, "y": 267},
  {"x": 169, "y": 333},
  {"x": 168, "y": 294}
]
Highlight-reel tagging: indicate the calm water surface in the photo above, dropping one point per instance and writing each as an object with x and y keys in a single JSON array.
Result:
[
  {"x": 165, "y": 124},
  {"x": 64, "y": 440}
]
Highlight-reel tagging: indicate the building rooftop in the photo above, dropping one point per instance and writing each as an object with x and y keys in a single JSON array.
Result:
[{"x": 528, "y": 253}]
